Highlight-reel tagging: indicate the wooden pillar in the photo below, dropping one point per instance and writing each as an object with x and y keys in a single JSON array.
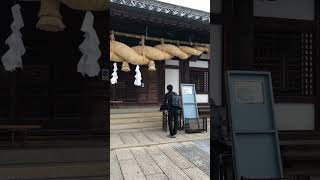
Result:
[
  {"x": 317, "y": 63},
  {"x": 184, "y": 71},
  {"x": 242, "y": 35},
  {"x": 227, "y": 11},
  {"x": 161, "y": 74},
  {"x": 13, "y": 96}
]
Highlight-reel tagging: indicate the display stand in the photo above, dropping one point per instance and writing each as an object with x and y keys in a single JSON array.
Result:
[
  {"x": 190, "y": 108},
  {"x": 256, "y": 149}
]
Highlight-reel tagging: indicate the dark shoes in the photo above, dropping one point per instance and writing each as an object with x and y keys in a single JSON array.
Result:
[{"x": 172, "y": 136}]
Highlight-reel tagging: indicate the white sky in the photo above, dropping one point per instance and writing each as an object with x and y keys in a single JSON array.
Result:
[{"x": 203, "y": 5}]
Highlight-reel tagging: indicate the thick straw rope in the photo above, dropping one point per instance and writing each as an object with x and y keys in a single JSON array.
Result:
[{"x": 87, "y": 5}]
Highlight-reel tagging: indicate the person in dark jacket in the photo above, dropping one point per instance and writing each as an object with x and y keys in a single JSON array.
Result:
[{"x": 172, "y": 111}]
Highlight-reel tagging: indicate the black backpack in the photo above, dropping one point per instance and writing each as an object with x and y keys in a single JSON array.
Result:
[{"x": 175, "y": 100}]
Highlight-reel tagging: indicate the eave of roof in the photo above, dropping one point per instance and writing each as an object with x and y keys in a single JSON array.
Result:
[{"x": 168, "y": 9}]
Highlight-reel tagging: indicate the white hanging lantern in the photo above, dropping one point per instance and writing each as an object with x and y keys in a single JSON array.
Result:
[
  {"x": 88, "y": 64},
  {"x": 114, "y": 78},
  {"x": 138, "y": 77},
  {"x": 12, "y": 58}
]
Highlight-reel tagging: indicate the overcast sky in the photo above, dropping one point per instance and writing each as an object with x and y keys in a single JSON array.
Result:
[{"x": 203, "y": 5}]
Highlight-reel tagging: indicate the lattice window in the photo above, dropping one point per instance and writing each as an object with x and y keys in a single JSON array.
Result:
[
  {"x": 201, "y": 80},
  {"x": 289, "y": 57}
]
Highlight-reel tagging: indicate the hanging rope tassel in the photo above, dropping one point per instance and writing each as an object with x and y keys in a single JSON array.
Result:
[
  {"x": 12, "y": 58},
  {"x": 138, "y": 77},
  {"x": 114, "y": 78}
]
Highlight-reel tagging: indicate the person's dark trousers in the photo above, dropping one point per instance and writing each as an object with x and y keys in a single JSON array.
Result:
[{"x": 173, "y": 120}]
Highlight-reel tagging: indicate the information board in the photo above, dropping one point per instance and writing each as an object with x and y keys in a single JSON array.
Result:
[
  {"x": 256, "y": 150},
  {"x": 189, "y": 105}
]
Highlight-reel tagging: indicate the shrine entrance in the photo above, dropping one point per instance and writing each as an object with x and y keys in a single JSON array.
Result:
[{"x": 126, "y": 93}]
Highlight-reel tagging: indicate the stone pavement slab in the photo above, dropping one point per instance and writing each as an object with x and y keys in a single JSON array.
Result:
[
  {"x": 176, "y": 157},
  {"x": 124, "y": 154},
  {"x": 151, "y": 155},
  {"x": 115, "y": 171},
  {"x": 196, "y": 173},
  {"x": 131, "y": 170},
  {"x": 157, "y": 177},
  {"x": 169, "y": 168},
  {"x": 147, "y": 164},
  {"x": 194, "y": 154}
]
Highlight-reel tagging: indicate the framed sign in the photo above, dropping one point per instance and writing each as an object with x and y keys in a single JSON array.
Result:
[
  {"x": 187, "y": 90},
  {"x": 255, "y": 140},
  {"x": 248, "y": 92}
]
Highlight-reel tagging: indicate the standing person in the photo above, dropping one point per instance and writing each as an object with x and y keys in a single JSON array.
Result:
[{"x": 171, "y": 100}]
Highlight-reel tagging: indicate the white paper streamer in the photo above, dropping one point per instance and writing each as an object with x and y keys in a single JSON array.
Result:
[
  {"x": 88, "y": 64},
  {"x": 138, "y": 77},
  {"x": 12, "y": 58},
  {"x": 114, "y": 78}
]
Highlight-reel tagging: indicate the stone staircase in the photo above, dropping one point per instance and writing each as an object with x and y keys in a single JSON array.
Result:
[
  {"x": 135, "y": 118},
  {"x": 53, "y": 163}
]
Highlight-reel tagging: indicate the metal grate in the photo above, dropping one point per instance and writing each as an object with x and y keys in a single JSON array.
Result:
[
  {"x": 201, "y": 80},
  {"x": 289, "y": 58}
]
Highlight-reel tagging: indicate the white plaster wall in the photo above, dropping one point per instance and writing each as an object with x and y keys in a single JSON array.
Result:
[
  {"x": 294, "y": 116},
  {"x": 202, "y": 98},
  {"x": 172, "y": 77},
  {"x": 215, "y": 68},
  {"x": 172, "y": 62},
  {"x": 199, "y": 64},
  {"x": 290, "y": 9}
]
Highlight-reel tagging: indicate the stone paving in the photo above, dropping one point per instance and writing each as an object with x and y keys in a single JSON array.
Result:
[{"x": 151, "y": 155}]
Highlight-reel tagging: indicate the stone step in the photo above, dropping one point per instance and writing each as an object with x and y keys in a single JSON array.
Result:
[
  {"x": 46, "y": 171},
  {"x": 136, "y": 125},
  {"x": 134, "y": 110},
  {"x": 132, "y": 130},
  {"x": 12, "y": 157},
  {"x": 135, "y": 120},
  {"x": 135, "y": 115}
]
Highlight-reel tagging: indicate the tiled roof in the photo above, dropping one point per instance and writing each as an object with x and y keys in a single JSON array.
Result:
[{"x": 166, "y": 8}]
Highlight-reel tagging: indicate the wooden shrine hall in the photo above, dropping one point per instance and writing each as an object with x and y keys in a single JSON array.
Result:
[
  {"x": 159, "y": 24},
  {"x": 137, "y": 107},
  {"x": 48, "y": 93}
]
